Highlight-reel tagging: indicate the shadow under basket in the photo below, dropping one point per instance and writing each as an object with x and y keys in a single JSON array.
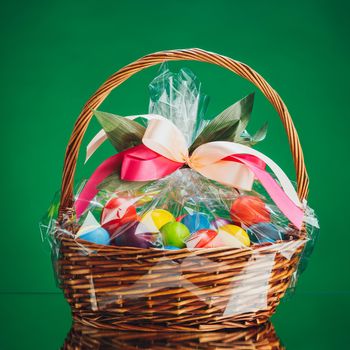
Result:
[
  {"x": 151, "y": 290},
  {"x": 148, "y": 290}
]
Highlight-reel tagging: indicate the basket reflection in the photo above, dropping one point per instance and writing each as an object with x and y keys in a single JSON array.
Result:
[{"x": 260, "y": 338}]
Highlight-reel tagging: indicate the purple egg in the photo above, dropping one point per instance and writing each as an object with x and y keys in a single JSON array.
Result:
[
  {"x": 218, "y": 222},
  {"x": 133, "y": 234}
]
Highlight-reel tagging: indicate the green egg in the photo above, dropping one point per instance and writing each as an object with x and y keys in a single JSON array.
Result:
[{"x": 174, "y": 234}]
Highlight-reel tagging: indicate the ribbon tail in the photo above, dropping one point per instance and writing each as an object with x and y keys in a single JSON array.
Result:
[
  {"x": 95, "y": 143},
  {"x": 90, "y": 189},
  {"x": 281, "y": 199}
]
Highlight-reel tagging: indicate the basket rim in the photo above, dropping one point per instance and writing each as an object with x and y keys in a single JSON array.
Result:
[{"x": 256, "y": 247}]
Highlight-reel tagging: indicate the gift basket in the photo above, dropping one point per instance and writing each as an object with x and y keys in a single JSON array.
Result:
[
  {"x": 187, "y": 226},
  {"x": 263, "y": 337}
]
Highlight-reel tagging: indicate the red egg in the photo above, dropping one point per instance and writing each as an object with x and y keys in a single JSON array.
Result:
[
  {"x": 204, "y": 239},
  {"x": 249, "y": 210},
  {"x": 118, "y": 211}
]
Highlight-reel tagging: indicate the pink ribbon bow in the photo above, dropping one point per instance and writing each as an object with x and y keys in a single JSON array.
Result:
[{"x": 164, "y": 150}]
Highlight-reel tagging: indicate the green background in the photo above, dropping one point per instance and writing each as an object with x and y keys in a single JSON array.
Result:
[{"x": 55, "y": 54}]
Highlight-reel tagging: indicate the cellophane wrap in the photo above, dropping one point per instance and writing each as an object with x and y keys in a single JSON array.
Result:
[{"x": 184, "y": 210}]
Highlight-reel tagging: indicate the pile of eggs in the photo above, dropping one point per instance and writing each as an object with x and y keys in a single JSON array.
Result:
[{"x": 250, "y": 223}]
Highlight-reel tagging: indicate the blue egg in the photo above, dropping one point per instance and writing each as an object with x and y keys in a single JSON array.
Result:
[
  {"x": 196, "y": 222},
  {"x": 264, "y": 232},
  {"x": 170, "y": 247},
  {"x": 97, "y": 236}
]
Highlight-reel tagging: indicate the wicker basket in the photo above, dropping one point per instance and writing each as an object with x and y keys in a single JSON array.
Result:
[
  {"x": 88, "y": 280},
  {"x": 258, "y": 338}
]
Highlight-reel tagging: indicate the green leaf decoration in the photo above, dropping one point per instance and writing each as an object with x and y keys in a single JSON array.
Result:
[
  {"x": 228, "y": 125},
  {"x": 249, "y": 140},
  {"x": 122, "y": 132},
  {"x": 259, "y": 135},
  {"x": 114, "y": 183}
]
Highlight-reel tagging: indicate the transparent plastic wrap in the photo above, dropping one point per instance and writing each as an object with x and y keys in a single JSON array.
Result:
[
  {"x": 181, "y": 246},
  {"x": 186, "y": 210}
]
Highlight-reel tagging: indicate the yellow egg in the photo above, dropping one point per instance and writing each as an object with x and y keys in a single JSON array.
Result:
[
  {"x": 157, "y": 218},
  {"x": 235, "y": 231}
]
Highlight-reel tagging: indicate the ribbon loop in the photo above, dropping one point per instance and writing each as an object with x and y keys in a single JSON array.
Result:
[
  {"x": 163, "y": 137},
  {"x": 142, "y": 164}
]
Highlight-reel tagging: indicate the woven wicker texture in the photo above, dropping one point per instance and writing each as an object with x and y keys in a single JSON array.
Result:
[
  {"x": 254, "y": 338},
  {"x": 148, "y": 290}
]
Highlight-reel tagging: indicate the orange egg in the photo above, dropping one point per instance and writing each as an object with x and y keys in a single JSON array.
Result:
[{"x": 249, "y": 210}]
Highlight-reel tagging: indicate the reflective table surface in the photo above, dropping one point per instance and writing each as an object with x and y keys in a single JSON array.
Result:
[{"x": 303, "y": 321}]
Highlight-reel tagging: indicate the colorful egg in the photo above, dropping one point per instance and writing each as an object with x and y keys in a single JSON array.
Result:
[
  {"x": 215, "y": 224},
  {"x": 98, "y": 236},
  {"x": 170, "y": 247},
  {"x": 204, "y": 239},
  {"x": 249, "y": 210},
  {"x": 118, "y": 211},
  {"x": 234, "y": 236},
  {"x": 133, "y": 234},
  {"x": 175, "y": 234},
  {"x": 196, "y": 222},
  {"x": 157, "y": 218},
  {"x": 265, "y": 232}
]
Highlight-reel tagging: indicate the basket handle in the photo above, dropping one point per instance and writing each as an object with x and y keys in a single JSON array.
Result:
[{"x": 123, "y": 74}]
